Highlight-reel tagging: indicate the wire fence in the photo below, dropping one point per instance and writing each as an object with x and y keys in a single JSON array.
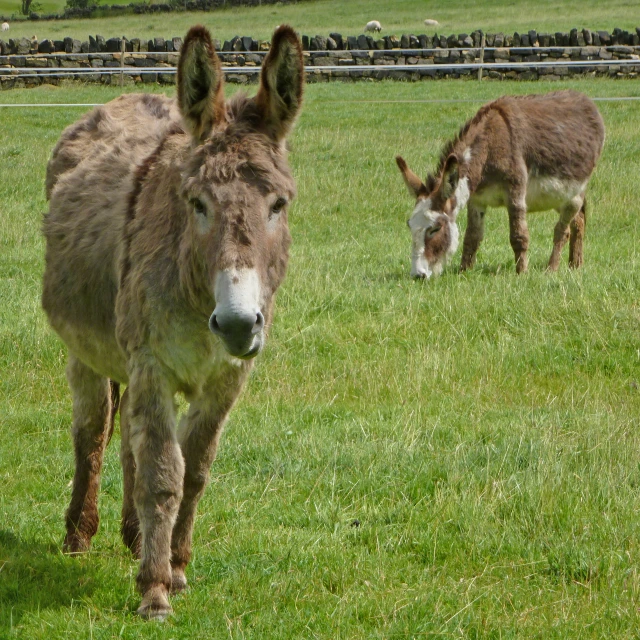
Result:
[{"x": 123, "y": 62}]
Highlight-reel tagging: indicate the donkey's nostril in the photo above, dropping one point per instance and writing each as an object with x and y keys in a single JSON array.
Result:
[
  {"x": 214, "y": 326},
  {"x": 259, "y": 325}
]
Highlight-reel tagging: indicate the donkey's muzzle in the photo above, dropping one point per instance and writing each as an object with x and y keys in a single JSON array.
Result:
[{"x": 241, "y": 333}]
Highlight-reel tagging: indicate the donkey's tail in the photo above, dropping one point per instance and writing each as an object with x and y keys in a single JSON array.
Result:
[
  {"x": 115, "y": 404},
  {"x": 583, "y": 210}
]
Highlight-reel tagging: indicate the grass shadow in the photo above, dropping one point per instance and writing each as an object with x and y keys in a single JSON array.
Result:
[{"x": 35, "y": 576}]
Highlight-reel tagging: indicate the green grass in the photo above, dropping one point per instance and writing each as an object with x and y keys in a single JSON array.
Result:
[
  {"x": 482, "y": 428},
  {"x": 349, "y": 18}
]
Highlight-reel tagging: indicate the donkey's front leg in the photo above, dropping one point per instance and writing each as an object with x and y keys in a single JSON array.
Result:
[
  {"x": 94, "y": 406},
  {"x": 199, "y": 435},
  {"x": 158, "y": 484},
  {"x": 473, "y": 236}
]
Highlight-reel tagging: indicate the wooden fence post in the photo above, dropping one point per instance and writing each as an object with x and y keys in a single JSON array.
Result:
[
  {"x": 122, "y": 48},
  {"x": 482, "y": 45}
]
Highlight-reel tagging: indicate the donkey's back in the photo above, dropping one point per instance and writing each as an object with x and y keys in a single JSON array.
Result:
[{"x": 126, "y": 129}]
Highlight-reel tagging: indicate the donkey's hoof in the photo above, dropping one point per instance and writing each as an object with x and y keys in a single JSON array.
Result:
[
  {"x": 75, "y": 544},
  {"x": 155, "y": 604},
  {"x": 178, "y": 580}
]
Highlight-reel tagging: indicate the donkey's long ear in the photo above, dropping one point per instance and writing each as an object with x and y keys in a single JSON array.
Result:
[
  {"x": 450, "y": 176},
  {"x": 200, "y": 84},
  {"x": 281, "y": 83},
  {"x": 414, "y": 184}
]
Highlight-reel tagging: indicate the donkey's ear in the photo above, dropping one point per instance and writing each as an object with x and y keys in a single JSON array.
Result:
[
  {"x": 414, "y": 184},
  {"x": 281, "y": 83},
  {"x": 450, "y": 176},
  {"x": 200, "y": 84}
]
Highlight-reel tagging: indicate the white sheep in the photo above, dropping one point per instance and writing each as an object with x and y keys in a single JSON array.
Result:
[
  {"x": 430, "y": 22},
  {"x": 5, "y": 26},
  {"x": 374, "y": 25}
]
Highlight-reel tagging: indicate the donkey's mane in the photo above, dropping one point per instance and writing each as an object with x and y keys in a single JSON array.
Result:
[{"x": 450, "y": 146}]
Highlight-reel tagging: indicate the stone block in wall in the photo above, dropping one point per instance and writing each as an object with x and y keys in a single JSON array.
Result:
[
  {"x": 84, "y": 47},
  {"x": 331, "y": 44},
  {"x": 524, "y": 40},
  {"x": 144, "y": 62},
  {"x": 96, "y": 63},
  {"x": 113, "y": 44},
  {"x": 337, "y": 38},
  {"x": 635, "y": 39},
  {"x": 387, "y": 42},
  {"x": 499, "y": 40},
  {"x": 135, "y": 44},
  {"x": 101, "y": 42},
  {"x": 46, "y": 46},
  {"x": 321, "y": 43},
  {"x": 573, "y": 38},
  {"x": 264, "y": 45},
  {"x": 442, "y": 42},
  {"x": 93, "y": 45},
  {"x": 516, "y": 39},
  {"x": 143, "y": 47},
  {"x": 380, "y": 44},
  {"x": 414, "y": 43},
  {"x": 508, "y": 41},
  {"x": 158, "y": 45},
  {"x": 588, "y": 37},
  {"x": 452, "y": 41},
  {"x": 533, "y": 37},
  {"x": 490, "y": 39},
  {"x": 21, "y": 45},
  {"x": 167, "y": 78},
  {"x": 168, "y": 46},
  {"x": 149, "y": 77},
  {"x": 36, "y": 62},
  {"x": 370, "y": 43},
  {"x": 305, "y": 43},
  {"x": 543, "y": 39},
  {"x": 605, "y": 38},
  {"x": 501, "y": 54},
  {"x": 363, "y": 42}
]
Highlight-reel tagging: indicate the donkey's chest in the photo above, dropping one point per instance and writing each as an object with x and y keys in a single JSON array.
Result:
[{"x": 194, "y": 358}]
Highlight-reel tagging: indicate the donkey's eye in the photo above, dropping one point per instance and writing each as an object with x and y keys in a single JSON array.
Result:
[
  {"x": 198, "y": 207},
  {"x": 278, "y": 206},
  {"x": 432, "y": 232}
]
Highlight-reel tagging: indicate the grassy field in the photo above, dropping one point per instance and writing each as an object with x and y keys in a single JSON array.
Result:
[
  {"x": 482, "y": 428},
  {"x": 349, "y": 18}
]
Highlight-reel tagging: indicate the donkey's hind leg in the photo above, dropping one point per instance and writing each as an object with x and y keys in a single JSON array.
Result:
[
  {"x": 94, "y": 401},
  {"x": 578, "y": 225},
  {"x": 130, "y": 526},
  {"x": 561, "y": 231}
]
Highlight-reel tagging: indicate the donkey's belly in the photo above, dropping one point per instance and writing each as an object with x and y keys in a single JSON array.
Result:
[
  {"x": 97, "y": 350},
  {"x": 547, "y": 192}
]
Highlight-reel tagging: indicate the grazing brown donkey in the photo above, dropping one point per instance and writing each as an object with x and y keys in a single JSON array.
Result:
[
  {"x": 528, "y": 153},
  {"x": 167, "y": 238}
]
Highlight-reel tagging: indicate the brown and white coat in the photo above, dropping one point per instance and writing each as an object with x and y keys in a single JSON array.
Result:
[{"x": 528, "y": 153}]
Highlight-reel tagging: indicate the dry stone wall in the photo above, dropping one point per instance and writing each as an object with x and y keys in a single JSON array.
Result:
[{"x": 336, "y": 57}]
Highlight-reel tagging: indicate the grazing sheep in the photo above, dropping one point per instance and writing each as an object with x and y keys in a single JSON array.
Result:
[
  {"x": 5, "y": 26},
  {"x": 373, "y": 25},
  {"x": 430, "y": 22}
]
